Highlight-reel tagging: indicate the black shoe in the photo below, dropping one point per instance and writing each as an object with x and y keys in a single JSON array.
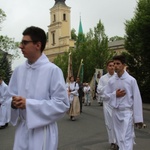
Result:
[
  {"x": 2, "y": 127},
  {"x": 6, "y": 125},
  {"x": 114, "y": 146},
  {"x": 101, "y": 104}
]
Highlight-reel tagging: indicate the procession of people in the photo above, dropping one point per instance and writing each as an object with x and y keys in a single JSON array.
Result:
[{"x": 37, "y": 96}]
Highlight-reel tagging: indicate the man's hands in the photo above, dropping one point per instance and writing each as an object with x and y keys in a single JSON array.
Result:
[
  {"x": 120, "y": 93},
  {"x": 18, "y": 102}
]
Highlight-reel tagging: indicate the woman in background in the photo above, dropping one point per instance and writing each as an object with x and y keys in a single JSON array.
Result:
[{"x": 73, "y": 88}]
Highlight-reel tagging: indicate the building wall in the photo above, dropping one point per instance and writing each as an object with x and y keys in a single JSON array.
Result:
[
  {"x": 117, "y": 46},
  {"x": 59, "y": 31}
]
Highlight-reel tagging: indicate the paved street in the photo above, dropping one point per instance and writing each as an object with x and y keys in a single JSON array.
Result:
[{"x": 86, "y": 133}]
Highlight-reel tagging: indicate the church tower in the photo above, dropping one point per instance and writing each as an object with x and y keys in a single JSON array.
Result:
[{"x": 59, "y": 30}]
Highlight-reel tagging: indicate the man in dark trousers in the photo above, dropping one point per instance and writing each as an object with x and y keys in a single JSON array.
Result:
[{"x": 80, "y": 91}]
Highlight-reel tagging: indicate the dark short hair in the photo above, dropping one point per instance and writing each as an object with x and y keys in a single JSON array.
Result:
[
  {"x": 121, "y": 58},
  {"x": 71, "y": 77},
  {"x": 37, "y": 35},
  {"x": 108, "y": 62}
]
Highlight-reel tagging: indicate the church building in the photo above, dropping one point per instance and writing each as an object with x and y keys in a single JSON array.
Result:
[{"x": 59, "y": 30}]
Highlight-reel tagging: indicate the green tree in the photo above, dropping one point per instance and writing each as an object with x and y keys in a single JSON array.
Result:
[
  {"x": 62, "y": 62},
  {"x": 73, "y": 34},
  {"x": 2, "y": 17},
  {"x": 137, "y": 43},
  {"x": 115, "y": 38},
  {"x": 92, "y": 48},
  {"x": 8, "y": 47},
  {"x": 5, "y": 67},
  {"x": 7, "y": 44}
]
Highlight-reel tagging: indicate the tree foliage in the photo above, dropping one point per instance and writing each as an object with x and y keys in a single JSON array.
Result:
[
  {"x": 115, "y": 38},
  {"x": 73, "y": 34},
  {"x": 137, "y": 43},
  {"x": 92, "y": 48},
  {"x": 5, "y": 67},
  {"x": 2, "y": 17},
  {"x": 62, "y": 62},
  {"x": 8, "y": 47},
  {"x": 8, "y": 44}
]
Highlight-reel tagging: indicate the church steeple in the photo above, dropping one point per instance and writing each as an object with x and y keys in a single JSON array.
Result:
[
  {"x": 80, "y": 27},
  {"x": 62, "y": 1}
]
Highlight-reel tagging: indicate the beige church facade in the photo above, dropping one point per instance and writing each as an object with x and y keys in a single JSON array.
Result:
[{"x": 59, "y": 30}]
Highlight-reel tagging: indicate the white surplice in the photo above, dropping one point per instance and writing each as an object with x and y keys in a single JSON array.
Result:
[
  {"x": 127, "y": 110},
  {"x": 73, "y": 87},
  {"x": 4, "y": 107},
  {"x": 87, "y": 94},
  {"x": 106, "y": 107},
  {"x": 43, "y": 86}
]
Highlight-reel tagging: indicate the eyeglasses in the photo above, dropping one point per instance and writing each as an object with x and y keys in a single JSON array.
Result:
[{"x": 24, "y": 42}]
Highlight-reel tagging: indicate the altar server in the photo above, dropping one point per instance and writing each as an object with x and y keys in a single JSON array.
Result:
[
  {"x": 107, "y": 109},
  {"x": 39, "y": 95},
  {"x": 124, "y": 96}
]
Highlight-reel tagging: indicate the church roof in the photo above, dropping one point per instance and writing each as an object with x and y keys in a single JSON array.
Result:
[
  {"x": 60, "y": 1},
  {"x": 115, "y": 45}
]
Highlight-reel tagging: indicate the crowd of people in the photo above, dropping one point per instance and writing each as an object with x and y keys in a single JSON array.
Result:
[{"x": 37, "y": 90}]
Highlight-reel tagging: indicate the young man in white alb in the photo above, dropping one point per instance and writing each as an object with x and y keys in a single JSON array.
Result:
[
  {"x": 39, "y": 95},
  {"x": 106, "y": 107},
  {"x": 124, "y": 96},
  {"x": 87, "y": 94}
]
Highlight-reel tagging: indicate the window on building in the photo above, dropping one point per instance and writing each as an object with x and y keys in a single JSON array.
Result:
[
  {"x": 64, "y": 17},
  {"x": 53, "y": 38},
  {"x": 54, "y": 18},
  {"x": 47, "y": 36}
]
